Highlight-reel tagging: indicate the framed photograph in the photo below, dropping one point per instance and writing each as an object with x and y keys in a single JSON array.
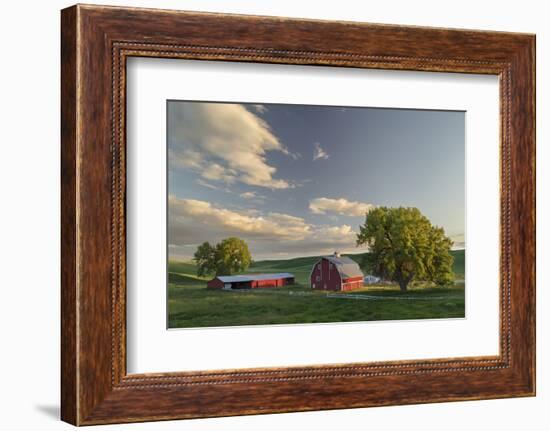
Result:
[
  {"x": 267, "y": 215},
  {"x": 298, "y": 232}
]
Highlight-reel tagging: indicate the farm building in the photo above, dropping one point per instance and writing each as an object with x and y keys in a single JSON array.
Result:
[
  {"x": 371, "y": 279},
  {"x": 251, "y": 281},
  {"x": 336, "y": 273}
]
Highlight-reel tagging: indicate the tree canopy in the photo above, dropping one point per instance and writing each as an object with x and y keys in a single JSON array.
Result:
[
  {"x": 229, "y": 256},
  {"x": 405, "y": 246},
  {"x": 205, "y": 256}
]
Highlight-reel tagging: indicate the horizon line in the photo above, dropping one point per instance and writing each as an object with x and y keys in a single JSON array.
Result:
[{"x": 290, "y": 258}]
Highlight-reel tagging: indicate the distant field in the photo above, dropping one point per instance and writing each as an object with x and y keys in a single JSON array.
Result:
[
  {"x": 190, "y": 304},
  {"x": 458, "y": 264},
  {"x": 301, "y": 266}
]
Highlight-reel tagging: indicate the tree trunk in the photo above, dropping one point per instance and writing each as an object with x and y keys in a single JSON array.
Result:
[{"x": 403, "y": 285}]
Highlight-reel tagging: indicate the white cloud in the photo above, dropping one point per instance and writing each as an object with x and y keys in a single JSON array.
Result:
[
  {"x": 459, "y": 241},
  {"x": 215, "y": 172},
  {"x": 194, "y": 214},
  {"x": 203, "y": 183},
  {"x": 319, "y": 153},
  {"x": 225, "y": 143},
  {"x": 339, "y": 206},
  {"x": 186, "y": 158},
  {"x": 338, "y": 231},
  {"x": 211, "y": 186},
  {"x": 254, "y": 197},
  {"x": 248, "y": 195},
  {"x": 192, "y": 222},
  {"x": 260, "y": 109}
]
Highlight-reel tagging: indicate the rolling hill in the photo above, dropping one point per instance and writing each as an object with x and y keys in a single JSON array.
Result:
[{"x": 299, "y": 266}]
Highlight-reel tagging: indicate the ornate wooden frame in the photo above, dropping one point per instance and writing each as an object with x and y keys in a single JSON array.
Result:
[{"x": 95, "y": 42}]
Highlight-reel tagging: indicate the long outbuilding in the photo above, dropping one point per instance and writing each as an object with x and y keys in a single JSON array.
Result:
[{"x": 251, "y": 281}]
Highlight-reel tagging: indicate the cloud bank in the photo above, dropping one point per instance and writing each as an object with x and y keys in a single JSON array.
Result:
[
  {"x": 224, "y": 143},
  {"x": 192, "y": 222}
]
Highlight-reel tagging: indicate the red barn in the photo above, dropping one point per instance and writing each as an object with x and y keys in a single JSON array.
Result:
[
  {"x": 251, "y": 281},
  {"x": 336, "y": 273}
]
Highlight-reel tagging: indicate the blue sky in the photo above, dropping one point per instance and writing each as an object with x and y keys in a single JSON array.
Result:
[{"x": 297, "y": 180}]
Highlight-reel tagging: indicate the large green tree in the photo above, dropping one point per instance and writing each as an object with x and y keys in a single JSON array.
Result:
[
  {"x": 229, "y": 256},
  {"x": 404, "y": 246}
]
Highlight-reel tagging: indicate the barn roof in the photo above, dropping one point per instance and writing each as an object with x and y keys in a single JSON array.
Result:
[
  {"x": 346, "y": 266},
  {"x": 254, "y": 277}
]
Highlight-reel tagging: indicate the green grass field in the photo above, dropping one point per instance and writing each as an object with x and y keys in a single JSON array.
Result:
[{"x": 191, "y": 305}]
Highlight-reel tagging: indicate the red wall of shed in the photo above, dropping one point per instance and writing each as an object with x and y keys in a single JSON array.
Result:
[
  {"x": 352, "y": 283},
  {"x": 276, "y": 282},
  {"x": 215, "y": 284}
]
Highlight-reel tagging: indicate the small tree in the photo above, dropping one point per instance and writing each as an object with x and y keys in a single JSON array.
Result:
[
  {"x": 229, "y": 256},
  {"x": 405, "y": 246},
  {"x": 205, "y": 256}
]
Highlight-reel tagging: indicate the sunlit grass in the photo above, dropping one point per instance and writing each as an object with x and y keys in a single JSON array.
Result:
[{"x": 191, "y": 304}]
